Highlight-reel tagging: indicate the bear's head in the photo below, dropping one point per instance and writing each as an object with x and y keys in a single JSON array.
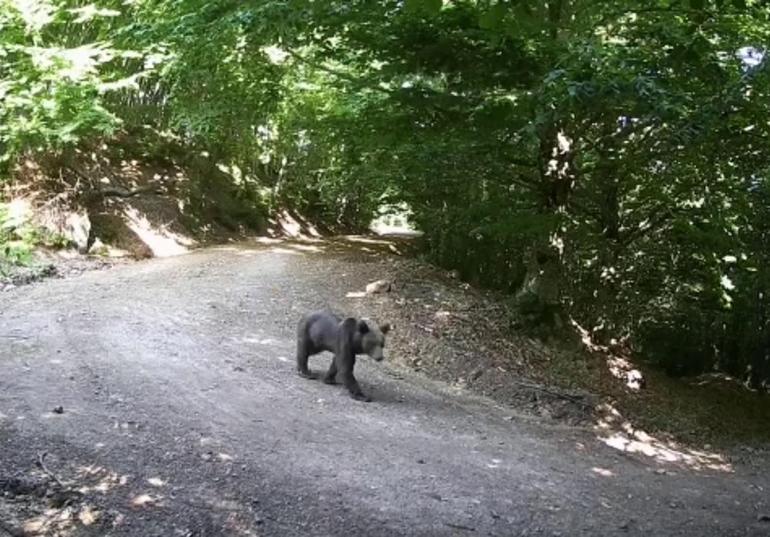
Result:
[{"x": 373, "y": 338}]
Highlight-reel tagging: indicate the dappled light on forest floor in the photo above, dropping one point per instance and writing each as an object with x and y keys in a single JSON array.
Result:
[
  {"x": 91, "y": 499},
  {"x": 268, "y": 240},
  {"x": 99, "y": 479},
  {"x": 619, "y": 366},
  {"x": 162, "y": 242},
  {"x": 70, "y": 505},
  {"x": 292, "y": 225},
  {"x": 359, "y": 246},
  {"x": 278, "y": 246},
  {"x": 305, "y": 247},
  {"x": 284, "y": 240},
  {"x": 282, "y": 250},
  {"x": 618, "y": 433},
  {"x": 61, "y": 522},
  {"x": 366, "y": 240}
]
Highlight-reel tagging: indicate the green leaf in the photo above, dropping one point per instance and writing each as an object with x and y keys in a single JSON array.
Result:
[
  {"x": 425, "y": 7},
  {"x": 492, "y": 17},
  {"x": 698, "y": 4},
  {"x": 433, "y": 6}
]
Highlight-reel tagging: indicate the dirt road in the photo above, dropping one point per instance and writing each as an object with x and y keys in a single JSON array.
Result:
[{"x": 182, "y": 415}]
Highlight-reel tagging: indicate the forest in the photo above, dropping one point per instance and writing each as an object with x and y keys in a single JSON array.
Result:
[{"x": 603, "y": 163}]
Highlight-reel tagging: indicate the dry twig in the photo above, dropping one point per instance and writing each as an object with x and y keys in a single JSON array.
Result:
[{"x": 41, "y": 464}]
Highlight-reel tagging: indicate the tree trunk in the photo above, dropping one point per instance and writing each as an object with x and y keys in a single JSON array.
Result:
[{"x": 540, "y": 295}]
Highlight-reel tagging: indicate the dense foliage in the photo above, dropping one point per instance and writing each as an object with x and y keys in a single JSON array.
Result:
[{"x": 604, "y": 161}]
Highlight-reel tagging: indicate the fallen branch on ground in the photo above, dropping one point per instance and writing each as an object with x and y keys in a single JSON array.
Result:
[
  {"x": 125, "y": 193},
  {"x": 41, "y": 464},
  {"x": 543, "y": 389}
]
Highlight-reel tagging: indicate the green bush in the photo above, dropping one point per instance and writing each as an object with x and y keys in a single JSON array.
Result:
[{"x": 16, "y": 240}]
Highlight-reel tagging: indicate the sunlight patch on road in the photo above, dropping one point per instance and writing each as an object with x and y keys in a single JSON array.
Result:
[
  {"x": 287, "y": 251},
  {"x": 88, "y": 516},
  {"x": 366, "y": 240},
  {"x": 602, "y": 471},
  {"x": 145, "y": 500},
  {"x": 355, "y": 294},
  {"x": 305, "y": 247},
  {"x": 260, "y": 341}
]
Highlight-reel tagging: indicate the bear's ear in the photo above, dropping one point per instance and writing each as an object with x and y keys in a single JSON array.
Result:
[
  {"x": 385, "y": 328},
  {"x": 363, "y": 327}
]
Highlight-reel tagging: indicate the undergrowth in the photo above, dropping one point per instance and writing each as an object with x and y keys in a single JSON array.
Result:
[{"x": 19, "y": 238}]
